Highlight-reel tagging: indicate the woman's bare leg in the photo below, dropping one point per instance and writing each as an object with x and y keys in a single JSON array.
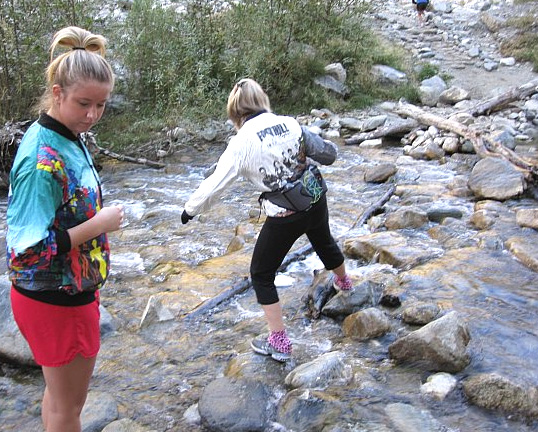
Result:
[
  {"x": 273, "y": 315},
  {"x": 340, "y": 271},
  {"x": 66, "y": 388}
]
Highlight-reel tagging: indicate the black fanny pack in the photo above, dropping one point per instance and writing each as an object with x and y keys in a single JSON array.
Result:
[{"x": 300, "y": 194}]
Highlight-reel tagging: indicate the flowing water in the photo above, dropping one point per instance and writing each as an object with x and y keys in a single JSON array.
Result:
[{"x": 158, "y": 371}]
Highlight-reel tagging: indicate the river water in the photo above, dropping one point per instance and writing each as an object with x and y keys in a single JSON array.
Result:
[{"x": 157, "y": 371}]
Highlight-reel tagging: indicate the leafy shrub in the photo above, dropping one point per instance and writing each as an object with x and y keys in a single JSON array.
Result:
[{"x": 187, "y": 62}]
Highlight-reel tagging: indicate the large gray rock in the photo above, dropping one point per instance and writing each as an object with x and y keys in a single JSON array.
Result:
[
  {"x": 13, "y": 346},
  {"x": 495, "y": 392},
  {"x": 366, "y": 324},
  {"x": 100, "y": 410},
  {"x": 320, "y": 372},
  {"x": 388, "y": 75},
  {"x": 453, "y": 95},
  {"x": 409, "y": 217},
  {"x": 234, "y": 405},
  {"x": 388, "y": 247},
  {"x": 308, "y": 410},
  {"x": 125, "y": 425},
  {"x": 438, "y": 346},
  {"x": 497, "y": 179},
  {"x": 328, "y": 82},
  {"x": 345, "y": 304},
  {"x": 430, "y": 90}
]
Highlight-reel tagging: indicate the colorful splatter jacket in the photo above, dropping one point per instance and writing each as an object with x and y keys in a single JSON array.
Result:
[{"x": 53, "y": 187}]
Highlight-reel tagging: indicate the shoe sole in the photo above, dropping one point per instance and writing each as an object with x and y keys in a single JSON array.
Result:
[{"x": 282, "y": 358}]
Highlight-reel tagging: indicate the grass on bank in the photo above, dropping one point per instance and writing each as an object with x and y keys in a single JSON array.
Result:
[{"x": 524, "y": 44}]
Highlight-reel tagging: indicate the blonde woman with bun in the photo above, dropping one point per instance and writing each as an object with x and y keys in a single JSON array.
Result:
[
  {"x": 57, "y": 246},
  {"x": 275, "y": 153}
]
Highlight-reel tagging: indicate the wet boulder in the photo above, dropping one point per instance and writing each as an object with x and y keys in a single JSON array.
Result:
[
  {"x": 406, "y": 417},
  {"x": 495, "y": 392},
  {"x": 527, "y": 218},
  {"x": 496, "y": 178},
  {"x": 308, "y": 410},
  {"x": 438, "y": 346},
  {"x": 346, "y": 303},
  {"x": 438, "y": 213},
  {"x": 255, "y": 366},
  {"x": 525, "y": 248},
  {"x": 321, "y": 290},
  {"x": 321, "y": 371},
  {"x": 406, "y": 218},
  {"x": 420, "y": 313},
  {"x": 366, "y": 324},
  {"x": 388, "y": 247},
  {"x": 379, "y": 173},
  {"x": 439, "y": 385},
  {"x": 234, "y": 405}
]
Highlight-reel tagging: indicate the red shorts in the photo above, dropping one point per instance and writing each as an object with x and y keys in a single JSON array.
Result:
[{"x": 56, "y": 334}]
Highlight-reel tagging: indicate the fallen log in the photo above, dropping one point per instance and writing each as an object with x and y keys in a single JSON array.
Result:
[
  {"x": 213, "y": 302},
  {"x": 397, "y": 129},
  {"x": 373, "y": 208},
  {"x": 484, "y": 145},
  {"x": 500, "y": 101},
  {"x": 124, "y": 158},
  {"x": 11, "y": 135}
]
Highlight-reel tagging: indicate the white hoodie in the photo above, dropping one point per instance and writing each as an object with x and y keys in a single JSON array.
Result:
[{"x": 266, "y": 151}]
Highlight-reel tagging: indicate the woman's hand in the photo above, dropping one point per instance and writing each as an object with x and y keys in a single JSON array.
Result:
[
  {"x": 106, "y": 220},
  {"x": 110, "y": 218}
]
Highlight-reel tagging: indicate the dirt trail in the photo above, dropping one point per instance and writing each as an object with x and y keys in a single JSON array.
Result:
[{"x": 457, "y": 42}]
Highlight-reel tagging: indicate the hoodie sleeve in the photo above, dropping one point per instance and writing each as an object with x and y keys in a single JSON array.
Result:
[
  {"x": 211, "y": 188},
  {"x": 322, "y": 151}
]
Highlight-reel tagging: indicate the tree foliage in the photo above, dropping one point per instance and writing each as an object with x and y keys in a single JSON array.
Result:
[
  {"x": 189, "y": 59},
  {"x": 182, "y": 58}
]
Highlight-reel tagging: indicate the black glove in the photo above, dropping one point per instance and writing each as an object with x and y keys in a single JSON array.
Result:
[{"x": 185, "y": 217}]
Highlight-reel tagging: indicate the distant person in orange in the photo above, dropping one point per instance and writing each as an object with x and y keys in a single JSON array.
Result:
[{"x": 421, "y": 7}]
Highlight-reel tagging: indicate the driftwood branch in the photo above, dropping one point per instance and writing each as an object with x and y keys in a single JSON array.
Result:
[
  {"x": 213, "y": 302},
  {"x": 500, "y": 101},
  {"x": 399, "y": 128},
  {"x": 123, "y": 158},
  {"x": 483, "y": 144},
  {"x": 373, "y": 208}
]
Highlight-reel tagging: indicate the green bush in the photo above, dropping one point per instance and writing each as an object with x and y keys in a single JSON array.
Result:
[
  {"x": 180, "y": 61},
  {"x": 187, "y": 62}
]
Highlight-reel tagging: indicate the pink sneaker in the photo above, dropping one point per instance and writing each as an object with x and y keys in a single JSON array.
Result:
[{"x": 343, "y": 283}]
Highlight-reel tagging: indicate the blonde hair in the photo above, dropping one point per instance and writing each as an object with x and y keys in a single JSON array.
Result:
[
  {"x": 83, "y": 61},
  {"x": 246, "y": 98}
]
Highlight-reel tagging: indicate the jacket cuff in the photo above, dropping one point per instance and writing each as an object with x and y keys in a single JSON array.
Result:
[{"x": 63, "y": 241}]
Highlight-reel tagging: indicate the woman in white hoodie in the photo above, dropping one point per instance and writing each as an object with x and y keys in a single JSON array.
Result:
[{"x": 275, "y": 153}]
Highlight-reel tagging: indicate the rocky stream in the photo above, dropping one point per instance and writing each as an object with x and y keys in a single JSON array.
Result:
[{"x": 441, "y": 331}]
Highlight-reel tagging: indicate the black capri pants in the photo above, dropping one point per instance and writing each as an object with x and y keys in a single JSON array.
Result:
[{"x": 276, "y": 238}]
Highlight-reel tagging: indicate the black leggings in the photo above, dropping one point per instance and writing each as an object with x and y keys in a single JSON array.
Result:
[{"x": 276, "y": 239}]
